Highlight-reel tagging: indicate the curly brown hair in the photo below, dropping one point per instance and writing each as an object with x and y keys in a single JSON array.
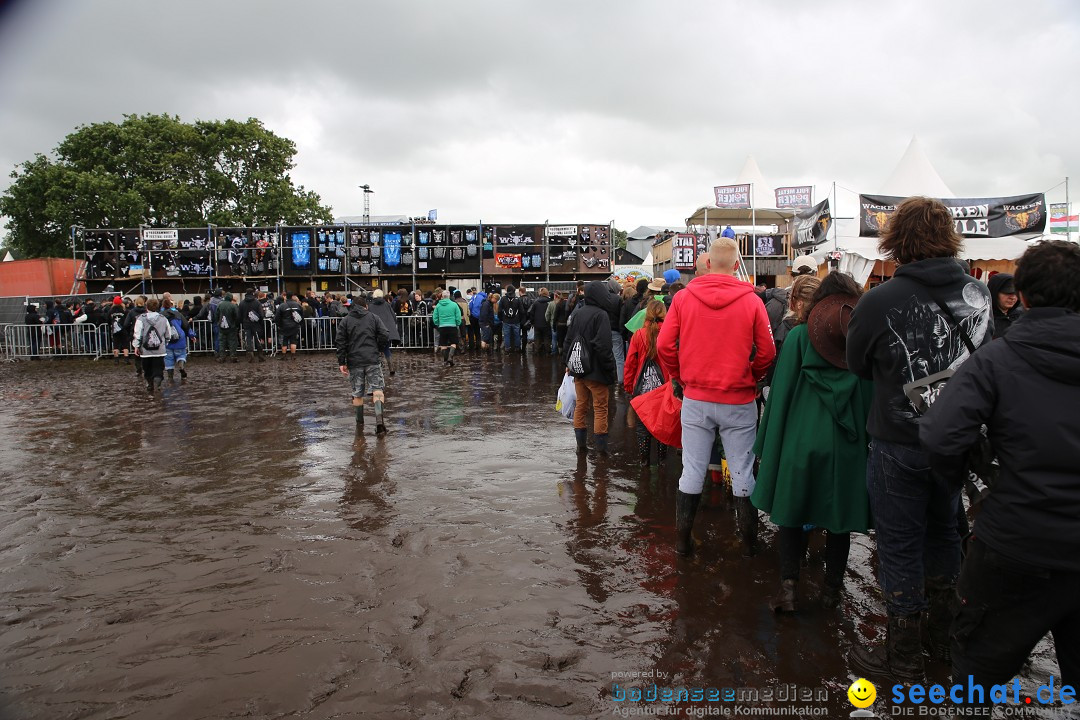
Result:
[{"x": 920, "y": 228}]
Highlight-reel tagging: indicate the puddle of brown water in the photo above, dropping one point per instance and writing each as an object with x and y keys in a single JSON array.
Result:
[{"x": 235, "y": 550}]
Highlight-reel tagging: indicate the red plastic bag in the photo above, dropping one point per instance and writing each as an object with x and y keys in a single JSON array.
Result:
[{"x": 661, "y": 413}]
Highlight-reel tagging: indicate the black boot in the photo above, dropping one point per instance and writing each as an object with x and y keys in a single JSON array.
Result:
[
  {"x": 830, "y": 595},
  {"x": 251, "y": 357},
  {"x": 746, "y": 518},
  {"x": 784, "y": 601},
  {"x": 601, "y": 444},
  {"x": 943, "y": 604},
  {"x": 581, "y": 436},
  {"x": 451, "y": 356},
  {"x": 181, "y": 366},
  {"x": 171, "y": 375},
  {"x": 685, "y": 509},
  {"x": 899, "y": 659}
]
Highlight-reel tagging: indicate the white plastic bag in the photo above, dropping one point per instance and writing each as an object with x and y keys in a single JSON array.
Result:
[{"x": 567, "y": 398}]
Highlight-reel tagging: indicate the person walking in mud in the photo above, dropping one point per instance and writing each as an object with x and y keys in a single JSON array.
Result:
[
  {"x": 716, "y": 376},
  {"x": 360, "y": 340},
  {"x": 289, "y": 318},
  {"x": 447, "y": 321},
  {"x": 152, "y": 333},
  {"x": 228, "y": 322},
  {"x": 251, "y": 318}
]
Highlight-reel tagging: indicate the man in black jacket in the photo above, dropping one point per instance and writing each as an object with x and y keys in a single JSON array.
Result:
[
  {"x": 1021, "y": 577},
  {"x": 541, "y": 327},
  {"x": 929, "y": 318},
  {"x": 251, "y": 319},
  {"x": 290, "y": 318},
  {"x": 361, "y": 338},
  {"x": 588, "y": 348},
  {"x": 512, "y": 315}
]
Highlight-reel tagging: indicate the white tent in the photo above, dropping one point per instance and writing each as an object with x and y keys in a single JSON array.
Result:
[{"x": 915, "y": 175}]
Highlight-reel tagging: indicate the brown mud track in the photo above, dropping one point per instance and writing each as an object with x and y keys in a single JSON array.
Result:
[{"x": 235, "y": 550}]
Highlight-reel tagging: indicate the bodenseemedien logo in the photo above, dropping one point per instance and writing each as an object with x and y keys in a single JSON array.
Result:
[{"x": 862, "y": 694}]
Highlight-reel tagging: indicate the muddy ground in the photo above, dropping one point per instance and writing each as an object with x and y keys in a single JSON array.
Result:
[{"x": 235, "y": 549}]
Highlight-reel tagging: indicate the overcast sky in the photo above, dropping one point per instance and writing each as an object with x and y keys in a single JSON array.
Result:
[{"x": 570, "y": 111}]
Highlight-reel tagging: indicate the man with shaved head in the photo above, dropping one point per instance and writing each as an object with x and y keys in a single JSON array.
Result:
[{"x": 715, "y": 344}]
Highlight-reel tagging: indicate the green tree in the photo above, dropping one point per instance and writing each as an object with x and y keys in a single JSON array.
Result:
[
  {"x": 619, "y": 238},
  {"x": 159, "y": 171}
]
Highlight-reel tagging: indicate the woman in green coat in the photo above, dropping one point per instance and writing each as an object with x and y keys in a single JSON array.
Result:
[{"x": 813, "y": 443}]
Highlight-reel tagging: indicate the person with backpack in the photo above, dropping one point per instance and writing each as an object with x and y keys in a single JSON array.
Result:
[
  {"x": 476, "y": 304},
  {"x": 176, "y": 350},
  {"x": 642, "y": 373},
  {"x": 130, "y": 319},
  {"x": 510, "y": 314},
  {"x": 209, "y": 312},
  {"x": 228, "y": 322},
  {"x": 251, "y": 319},
  {"x": 489, "y": 315},
  {"x": 589, "y": 357},
  {"x": 359, "y": 341},
  {"x": 151, "y": 334},
  {"x": 290, "y": 318},
  {"x": 538, "y": 319},
  {"x": 115, "y": 317},
  {"x": 929, "y": 318},
  {"x": 463, "y": 332}
]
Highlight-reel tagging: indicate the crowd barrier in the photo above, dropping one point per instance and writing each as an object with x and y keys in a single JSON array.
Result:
[{"x": 85, "y": 340}]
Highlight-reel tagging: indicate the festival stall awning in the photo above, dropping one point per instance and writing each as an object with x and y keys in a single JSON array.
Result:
[{"x": 708, "y": 215}]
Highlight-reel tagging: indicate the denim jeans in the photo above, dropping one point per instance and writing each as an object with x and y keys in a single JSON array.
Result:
[
  {"x": 511, "y": 336},
  {"x": 620, "y": 356},
  {"x": 174, "y": 356},
  {"x": 915, "y": 524},
  {"x": 1006, "y": 607}
]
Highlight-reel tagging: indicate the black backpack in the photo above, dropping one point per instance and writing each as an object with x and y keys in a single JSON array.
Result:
[{"x": 578, "y": 359}]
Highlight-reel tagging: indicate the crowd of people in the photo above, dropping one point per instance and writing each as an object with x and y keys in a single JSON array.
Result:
[{"x": 843, "y": 411}]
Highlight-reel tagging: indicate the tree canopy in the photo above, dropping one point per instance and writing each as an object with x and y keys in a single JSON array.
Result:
[{"x": 158, "y": 171}]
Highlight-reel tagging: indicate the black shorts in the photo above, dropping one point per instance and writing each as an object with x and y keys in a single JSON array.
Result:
[
  {"x": 290, "y": 338},
  {"x": 448, "y": 336}
]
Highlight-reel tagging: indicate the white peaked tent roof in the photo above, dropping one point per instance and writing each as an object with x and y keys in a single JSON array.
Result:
[
  {"x": 763, "y": 191},
  {"x": 764, "y": 198},
  {"x": 914, "y": 175}
]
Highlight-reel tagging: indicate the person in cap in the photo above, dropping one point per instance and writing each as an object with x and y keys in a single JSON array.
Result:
[
  {"x": 381, "y": 309},
  {"x": 813, "y": 442},
  {"x": 672, "y": 276},
  {"x": 34, "y": 323},
  {"x": 804, "y": 265},
  {"x": 1007, "y": 307}
]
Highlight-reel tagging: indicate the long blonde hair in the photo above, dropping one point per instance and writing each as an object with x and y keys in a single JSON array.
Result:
[{"x": 802, "y": 296}]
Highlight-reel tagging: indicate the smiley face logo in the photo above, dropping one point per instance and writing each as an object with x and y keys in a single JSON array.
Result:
[{"x": 862, "y": 693}]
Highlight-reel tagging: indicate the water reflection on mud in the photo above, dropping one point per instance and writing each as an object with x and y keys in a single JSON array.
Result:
[{"x": 238, "y": 550}]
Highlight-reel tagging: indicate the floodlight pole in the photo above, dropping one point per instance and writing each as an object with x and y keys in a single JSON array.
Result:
[{"x": 367, "y": 202}]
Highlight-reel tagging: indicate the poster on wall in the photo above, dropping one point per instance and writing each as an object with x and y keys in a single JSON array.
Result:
[
  {"x": 684, "y": 251},
  {"x": 515, "y": 235},
  {"x": 974, "y": 217},
  {"x": 508, "y": 260},
  {"x": 392, "y": 249},
  {"x": 300, "y": 247}
]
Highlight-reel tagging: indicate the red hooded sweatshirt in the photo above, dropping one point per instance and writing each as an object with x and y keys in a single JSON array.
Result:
[{"x": 709, "y": 336}]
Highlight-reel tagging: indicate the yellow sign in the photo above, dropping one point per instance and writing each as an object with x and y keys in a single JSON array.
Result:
[{"x": 862, "y": 693}]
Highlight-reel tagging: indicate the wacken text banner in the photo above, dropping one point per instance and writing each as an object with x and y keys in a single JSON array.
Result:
[
  {"x": 794, "y": 198},
  {"x": 732, "y": 196},
  {"x": 974, "y": 217},
  {"x": 812, "y": 226}
]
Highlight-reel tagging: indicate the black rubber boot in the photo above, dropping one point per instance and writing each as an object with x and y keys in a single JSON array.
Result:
[
  {"x": 450, "y": 356},
  {"x": 830, "y": 595},
  {"x": 943, "y": 603},
  {"x": 181, "y": 365},
  {"x": 601, "y": 444},
  {"x": 899, "y": 659},
  {"x": 171, "y": 375},
  {"x": 746, "y": 518},
  {"x": 251, "y": 357},
  {"x": 785, "y": 601},
  {"x": 359, "y": 414},
  {"x": 581, "y": 436},
  {"x": 685, "y": 509}
]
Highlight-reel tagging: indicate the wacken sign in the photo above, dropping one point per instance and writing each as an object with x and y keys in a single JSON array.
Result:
[{"x": 974, "y": 217}]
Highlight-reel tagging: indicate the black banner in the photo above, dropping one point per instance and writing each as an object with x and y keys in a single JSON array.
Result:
[
  {"x": 812, "y": 226},
  {"x": 975, "y": 217}
]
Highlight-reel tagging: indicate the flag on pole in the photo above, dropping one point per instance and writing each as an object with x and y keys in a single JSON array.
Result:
[{"x": 1061, "y": 221}]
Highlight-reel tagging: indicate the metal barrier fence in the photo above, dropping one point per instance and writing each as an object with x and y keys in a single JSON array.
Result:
[{"x": 86, "y": 340}]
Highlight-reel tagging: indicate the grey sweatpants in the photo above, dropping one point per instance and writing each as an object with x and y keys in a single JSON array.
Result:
[{"x": 738, "y": 428}]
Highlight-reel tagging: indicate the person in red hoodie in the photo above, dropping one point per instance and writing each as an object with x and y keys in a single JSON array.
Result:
[{"x": 714, "y": 345}]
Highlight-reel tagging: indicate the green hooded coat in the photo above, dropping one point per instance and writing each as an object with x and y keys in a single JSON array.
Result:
[{"x": 813, "y": 442}]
